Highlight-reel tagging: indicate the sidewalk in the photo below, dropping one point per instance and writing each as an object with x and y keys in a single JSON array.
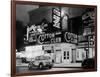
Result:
[{"x": 67, "y": 65}]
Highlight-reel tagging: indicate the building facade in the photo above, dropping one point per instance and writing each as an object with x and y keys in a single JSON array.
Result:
[{"x": 50, "y": 33}]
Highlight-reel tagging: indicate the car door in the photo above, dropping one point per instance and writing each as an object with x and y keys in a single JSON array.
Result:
[{"x": 37, "y": 61}]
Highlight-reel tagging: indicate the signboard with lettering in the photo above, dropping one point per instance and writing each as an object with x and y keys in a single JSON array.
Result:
[
  {"x": 70, "y": 38},
  {"x": 82, "y": 38},
  {"x": 56, "y": 17},
  {"x": 55, "y": 37},
  {"x": 88, "y": 18},
  {"x": 89, "y": 15},
  {"x": 49, "y": 38}
]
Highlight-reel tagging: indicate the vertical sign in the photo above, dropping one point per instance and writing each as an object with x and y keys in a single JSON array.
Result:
[{"x": 56, "y": 17}]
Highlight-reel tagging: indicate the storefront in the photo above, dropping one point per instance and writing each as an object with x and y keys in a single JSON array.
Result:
[
  {"x": 87, "y": 39},
  {"x": 87, "y": 46},
  {"x": 63, "y": 51}
]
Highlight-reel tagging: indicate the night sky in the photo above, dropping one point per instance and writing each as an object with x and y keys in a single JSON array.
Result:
[{"x": 22, "y": 12}]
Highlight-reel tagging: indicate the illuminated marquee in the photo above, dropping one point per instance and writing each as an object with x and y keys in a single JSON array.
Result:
[{"x": 56, "y": 37}]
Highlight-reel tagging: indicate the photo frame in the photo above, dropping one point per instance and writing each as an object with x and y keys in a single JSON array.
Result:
[{"x": 52, "y": 38}]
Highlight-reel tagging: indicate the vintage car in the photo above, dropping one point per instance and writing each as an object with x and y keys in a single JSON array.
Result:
[{"x": 41, "y": 62}]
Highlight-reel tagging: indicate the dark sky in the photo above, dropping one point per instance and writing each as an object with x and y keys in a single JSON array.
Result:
[{"x": 22, "y": 12}]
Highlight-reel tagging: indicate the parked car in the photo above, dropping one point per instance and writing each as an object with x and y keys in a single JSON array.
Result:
[
  {"x": 26, "y": 59},
  {"x": 88, "y": 63},
  {"x": 41, "y": 62}
]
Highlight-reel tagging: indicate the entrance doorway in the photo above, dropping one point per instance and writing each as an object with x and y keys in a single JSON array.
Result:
[{"x": 66, "y": 57}]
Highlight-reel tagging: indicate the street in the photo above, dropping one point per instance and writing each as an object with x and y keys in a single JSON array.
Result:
[{"x": 23, "y": 69}]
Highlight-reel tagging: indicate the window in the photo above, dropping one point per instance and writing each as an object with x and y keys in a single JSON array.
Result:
[
  {"x": 67, "y": 54},
  {"x": 37, "y": 58},
  {"x": 77, "y": 54},
  {"x": 48, "y": 51},
  {"x": 47, "y": 57},
  {"x": 64, "y": 54},
  {"x": 64, "y": 57}
]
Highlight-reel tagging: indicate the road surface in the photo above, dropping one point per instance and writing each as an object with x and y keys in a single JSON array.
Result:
[{"x": 23, "y": 69}]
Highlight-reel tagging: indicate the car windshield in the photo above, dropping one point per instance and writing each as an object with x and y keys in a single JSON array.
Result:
[
  {"x": 42, "y": 58},
  {"x": 47, "y": 57}
]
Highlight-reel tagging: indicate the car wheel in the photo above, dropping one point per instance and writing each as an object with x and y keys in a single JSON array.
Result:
[
  {"x": 40, "y": 66},
  {"x": 23, "y": 60},
  {"x": 50, "y": 67}
]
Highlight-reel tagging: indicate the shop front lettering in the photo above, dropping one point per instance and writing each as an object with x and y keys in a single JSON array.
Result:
[
  {"x": 70, "y": 37},
  {"x": 49, "y": 38},
  {"x": 45, "y": 38}
]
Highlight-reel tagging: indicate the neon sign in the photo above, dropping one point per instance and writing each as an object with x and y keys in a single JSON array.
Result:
[
  {"x": 56, "y": 37},
  {"x": 70, "y": 37},
  {"x": 56, "y": 17},
  {"x": 49, "y": 38}
]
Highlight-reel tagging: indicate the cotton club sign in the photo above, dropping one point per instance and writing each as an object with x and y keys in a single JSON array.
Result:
[
  {"x": 57, "y": 37},
  {"x": 70, "y": 37}
]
